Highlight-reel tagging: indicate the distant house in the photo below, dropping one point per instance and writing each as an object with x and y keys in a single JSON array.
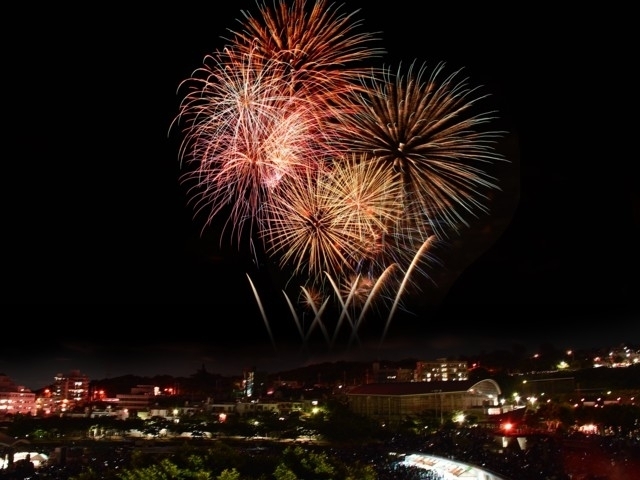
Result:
[{"x": 393, "y": 402}]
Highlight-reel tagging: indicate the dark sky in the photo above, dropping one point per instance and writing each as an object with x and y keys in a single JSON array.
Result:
[{"x": 102, "y": 256}]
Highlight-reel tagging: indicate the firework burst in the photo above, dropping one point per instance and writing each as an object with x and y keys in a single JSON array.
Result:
[
  {"x": 348, "y": 175},
  {"x": 333, "y": 222},
  {"x": 307, "y": 229},
  {"x": 428, "y": 131},
  {"x": 324, "y": 50},
  {"x": 245, "y": 134}
]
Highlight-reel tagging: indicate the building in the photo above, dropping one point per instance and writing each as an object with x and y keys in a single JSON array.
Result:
[
  {"x": 45, "y": 403},
  {"x": 70, "y": 390},
  {"x": 441, "y": 370},
  {"x": 394, "y": 402},
  {"x": 15, "y": 399},
  {"x": 137, "y": 403}
]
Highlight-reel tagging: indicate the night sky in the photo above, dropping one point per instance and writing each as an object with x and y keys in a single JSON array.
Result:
[{"x": 106, "y": 270}]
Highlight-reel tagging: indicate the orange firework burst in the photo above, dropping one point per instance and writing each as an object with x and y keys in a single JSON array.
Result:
[
  {"x": 307, "y": 228},
  {"x": 322, "y": 49},
  {"x": 370, "y": 194},
  {"x": 332, "y": 222},
  {"x": 428, "y": 132}
]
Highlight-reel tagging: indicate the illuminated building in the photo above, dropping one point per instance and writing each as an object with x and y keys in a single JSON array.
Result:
[
  {"x": 441, "y": 370},
  {"x": 70, "y": 390},
  {"x": 393, "y": 402},
  {"x": 136, "y": 403},
  {"x": 15, "y": 399}
]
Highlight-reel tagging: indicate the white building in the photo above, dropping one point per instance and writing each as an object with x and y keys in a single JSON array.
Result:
[{"x": 441, "y": 370}]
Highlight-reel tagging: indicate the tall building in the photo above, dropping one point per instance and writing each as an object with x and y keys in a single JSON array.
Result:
[
  {"x": 15, "y": 399},
  {"x": 70, "y": 390}
]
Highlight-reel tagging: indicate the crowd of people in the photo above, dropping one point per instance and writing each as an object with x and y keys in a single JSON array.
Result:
[{"x": 546, "y": 457}]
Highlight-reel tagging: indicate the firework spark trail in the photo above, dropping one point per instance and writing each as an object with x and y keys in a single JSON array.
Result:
[
  {"x": 304, "y": 334},
  {"x": 301, "y": 330},
  {"x": 376, "y": 288},
  {"x": 262, "y": 312},
  {"x": 344, "y": 304},
  {"x": 425, "y": 246},
  {"x": 317, "y": 319}
]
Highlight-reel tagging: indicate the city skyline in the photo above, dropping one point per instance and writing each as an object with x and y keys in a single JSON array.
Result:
[{"x": 35, "y": 367}]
